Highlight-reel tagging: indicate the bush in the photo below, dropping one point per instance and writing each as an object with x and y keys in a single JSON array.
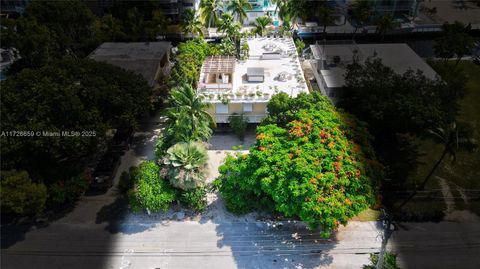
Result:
[
  {"x": 318, "y": 166},
  {"x": 389, "y": 261},
  {"x": 67, "y": 192},
  {"x": 150, "y": 192},
  {"x": 300, "y": 46},
  {"x": 125, "y": 183},
  {"x": 195, "y": 199},
  {"x": 187, "y": 62},
  {"x": 19, "y": 195},
  {"x": 239, "y": 125}
]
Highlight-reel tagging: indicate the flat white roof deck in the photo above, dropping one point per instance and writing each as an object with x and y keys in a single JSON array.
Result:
[
  {"x": 399, "y": 57},
  {"x": 290, "y": 81}
]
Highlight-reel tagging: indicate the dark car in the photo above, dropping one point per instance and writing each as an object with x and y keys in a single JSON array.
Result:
[
  {"x": 105, "y": 171},
  {"x": 122, "y": 139}
]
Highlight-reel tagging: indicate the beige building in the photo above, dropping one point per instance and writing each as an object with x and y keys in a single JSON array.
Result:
[{"x": 245, "y": 86}]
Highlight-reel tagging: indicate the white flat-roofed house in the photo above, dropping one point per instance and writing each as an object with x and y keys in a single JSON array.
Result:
[
  {"x": 246, "y": 86},
  {"x": 329, "y": 62}
]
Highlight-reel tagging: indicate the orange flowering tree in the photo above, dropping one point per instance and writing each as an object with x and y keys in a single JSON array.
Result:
[{"x": 315, "y": 164}]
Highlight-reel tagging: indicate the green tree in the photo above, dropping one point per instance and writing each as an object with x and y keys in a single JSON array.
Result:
[
  {"x": 71, "y": 21},
  {"x": 191, "y": 23},
  {"x": 396, "y": 103},
  {"x": 318, "y": 166},
  {"x": 158, "y": 24},
  {"x": 150, "y": 192},
  {"x": 239, "y": 123},
  {"x": 228, "y": 26},
  {"x": 398, "y": 108},
  {"x": 210, "y": 11},
  {"x": 261, "y": 24},
  {"x": 186, "y": 165},
  {"x": 239, "y": 8},
  {"x": 67, "y": 95},
  {"x": 20, "y": 196},
  {"x": 187, "y": 62},
  {"x": 245, "y": 50},
  {"x": 231, "y": 29},
  {"x": 361, "y": 11},
  {"x": 187, "y": 118},
  {"x": 110, "y": 28},
  {"x": 385, "y": 24},
  {"x": 227, "y": 47},
  {"x": 456, "y": 41},
  {"x": 325, "y": 15},
  {"x": 35, "y": 43},
  {"x": 292, "y": 10}
]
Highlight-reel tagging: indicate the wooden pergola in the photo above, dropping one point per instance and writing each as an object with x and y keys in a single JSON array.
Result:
[{"x": 219, "y": 64}]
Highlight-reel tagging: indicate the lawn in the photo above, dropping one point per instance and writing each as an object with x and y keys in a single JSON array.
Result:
[{"x": 464, "y": 173}]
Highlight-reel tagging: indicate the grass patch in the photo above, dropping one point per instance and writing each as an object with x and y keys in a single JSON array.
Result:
[{"x": 368, "y": 215}]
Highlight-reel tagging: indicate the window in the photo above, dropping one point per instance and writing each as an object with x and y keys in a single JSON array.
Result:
[
  {"x": 247, "y": 107},
  {"x": 221, "y": 109}
]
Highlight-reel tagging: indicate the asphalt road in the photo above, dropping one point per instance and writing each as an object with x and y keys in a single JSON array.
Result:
[{"x": 242, "y": 244}]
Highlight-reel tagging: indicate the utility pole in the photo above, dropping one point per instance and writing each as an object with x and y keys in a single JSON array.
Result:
[{"x": 387, "y": 232}]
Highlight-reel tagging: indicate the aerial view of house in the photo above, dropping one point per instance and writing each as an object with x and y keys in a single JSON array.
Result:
[{"x": 252, "y": 134}]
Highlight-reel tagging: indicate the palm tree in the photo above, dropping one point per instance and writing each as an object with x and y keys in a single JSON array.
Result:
[
  {"x": 187, "y": 118},
  {"x": 231, "y": 29},
  {"x": 209, "y": 10},
  {"x": 296, "y": 9},
  {"x": 452, "y": 140},
  {"x": 385, "y": 24},
  {"x": 261, "y": 24},
  {"x": 239, "y": 9},
  {"x": 186, "y": 164},
  {"x": 191, "y": 24},
  {"x": 361, "y": 11},
  {"x": 227, "y": 23}
]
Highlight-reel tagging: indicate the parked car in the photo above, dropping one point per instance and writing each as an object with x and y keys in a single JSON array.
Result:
[
  {"x": 104, "y": 172},
  {"x": 122, "y": 139}
]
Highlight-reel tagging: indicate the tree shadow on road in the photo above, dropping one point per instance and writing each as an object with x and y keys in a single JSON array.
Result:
[
  {"x": 116, "y": 215},
  {"x": 256, "y": 243}
]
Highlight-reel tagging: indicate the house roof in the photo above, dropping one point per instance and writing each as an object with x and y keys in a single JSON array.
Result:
[
  {"x": 219, "y": 64},
  {"x": 140, "y": 57},
  {"x": 255, "y": 71}
]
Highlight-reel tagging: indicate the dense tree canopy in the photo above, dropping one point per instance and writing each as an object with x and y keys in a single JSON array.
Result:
[
  {"x": 399, "y": 108},
  {"x": 315, "y": 164},
  {"x": 67, "y": 95},
  {"x": 19, "y": 195},
  {"x": 71, "y": 22},
  {"x": 396, "y": 103}
]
